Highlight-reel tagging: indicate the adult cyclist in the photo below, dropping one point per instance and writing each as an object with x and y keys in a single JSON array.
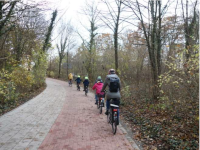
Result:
[{"x": 113, "y": 82}]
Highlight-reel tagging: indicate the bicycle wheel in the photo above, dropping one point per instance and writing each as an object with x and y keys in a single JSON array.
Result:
[
  {"x": 114, "y": 126},
  {"x": 100, "y": 110},
  {"x": 108, "y": 117},
  {"x": 98, "y": 104}
]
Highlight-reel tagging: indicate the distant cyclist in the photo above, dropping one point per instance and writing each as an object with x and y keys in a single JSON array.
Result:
[
  {"x": 70, "y": 77},
  {"x": 113, "y": 82},
  {"x": 78, "y": 80},
  {"x": 86, "y": 83}
]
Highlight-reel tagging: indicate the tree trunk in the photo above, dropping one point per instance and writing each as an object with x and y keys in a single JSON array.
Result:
[
  {"x": 116, "y": 50},
  {"x": 67, "y": 62},
  {"x": 60, "y": 62}
]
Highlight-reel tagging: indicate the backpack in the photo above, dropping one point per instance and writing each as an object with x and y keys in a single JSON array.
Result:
[{"x": 114, "y": 84}]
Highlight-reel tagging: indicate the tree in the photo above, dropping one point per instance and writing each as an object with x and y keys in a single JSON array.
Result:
[
  {"x": 152, "y": 33},
  {"x": 191, "y": 27},
  {"x": 113, "y": 19},
  {"x": 92, "y": 13},
  {"x": 66, "y": 43},
  {"x": 48, "y": 35},
  {"x": 6, "y": 11}
]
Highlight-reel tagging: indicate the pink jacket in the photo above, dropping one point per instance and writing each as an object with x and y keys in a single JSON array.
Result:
[{"x": 98, "y": 86}]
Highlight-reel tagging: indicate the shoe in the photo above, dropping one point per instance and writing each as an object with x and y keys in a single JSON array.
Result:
[
  {"x": 95, "y": 103},
  {"x": 83, "y": 90},
  {"x": 106, "y": 113}
]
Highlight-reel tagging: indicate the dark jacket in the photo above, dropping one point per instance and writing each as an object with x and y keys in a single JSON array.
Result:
[
  {"x": 78, "y": 80},
  {"x": 109, "y": 94},
  {"x": 86, "y": 82}
]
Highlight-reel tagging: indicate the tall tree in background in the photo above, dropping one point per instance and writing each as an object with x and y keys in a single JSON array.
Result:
[
  {"x": 66, "y": 43},
  {"x": 6, "y": 11},
  {"x": 92, "y": 13},
  {"x": 191, "y": 26},
  {"x": 152, "y": 34},
  {"x": 113, "y": 20},
  {"x": 48, "y": 35}
]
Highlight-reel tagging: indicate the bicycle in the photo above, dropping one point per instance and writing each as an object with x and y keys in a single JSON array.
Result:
[
  {"x": 86, "y": 90},
  {"x": 112, "y": 116},
  {"x": 100, "y": 102},
  {"x": 78, "y": 86},
  {"x": 70, "y": 82}
]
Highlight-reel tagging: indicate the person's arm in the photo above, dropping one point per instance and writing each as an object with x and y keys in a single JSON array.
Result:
[
  {"x": 119, "y": 85},
  {"x": 94, "y": 87},
  {"x": 105, "y": 85}
]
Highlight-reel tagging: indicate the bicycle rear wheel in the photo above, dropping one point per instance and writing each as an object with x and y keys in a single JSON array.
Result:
[
  {"x": 98, "y": 104},
  {"x": 108, "y": 117},
  {"x": 114, "y": 126}
]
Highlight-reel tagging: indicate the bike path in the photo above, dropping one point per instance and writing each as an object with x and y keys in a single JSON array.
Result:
[{"x": 60, "y": 118}]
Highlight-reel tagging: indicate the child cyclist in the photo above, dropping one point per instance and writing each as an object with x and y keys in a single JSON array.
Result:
[
  {"x": 86, "y": 83},
  {"x": 78, "y": 81},
  {"x": 98, "y": 86}
]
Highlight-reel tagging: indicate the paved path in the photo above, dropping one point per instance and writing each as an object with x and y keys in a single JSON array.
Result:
[{"x": 60, "y": 118}]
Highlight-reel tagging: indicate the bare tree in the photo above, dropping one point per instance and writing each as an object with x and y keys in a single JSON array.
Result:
[
  {"x": 113, "y": 19},
  {"x": 92, "y": 13},
  {"x": 66, "y": 43},
  {"x": 152, "y": 32},
  {"x": 191, "y": 26},
  {"x": 6, "y": 11}
]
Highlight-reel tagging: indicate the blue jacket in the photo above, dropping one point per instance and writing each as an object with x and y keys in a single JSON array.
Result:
[
  {"x": 86, "y": 82},
  {"x": 78, "y": 80}
]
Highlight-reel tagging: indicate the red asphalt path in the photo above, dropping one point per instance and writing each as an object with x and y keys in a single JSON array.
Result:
[{"x": 79, "y": 126}]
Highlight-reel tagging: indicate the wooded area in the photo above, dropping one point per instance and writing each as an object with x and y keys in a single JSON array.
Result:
[
  {"x": 153, "y": 45},
  {"x": 24, "y": 41}
]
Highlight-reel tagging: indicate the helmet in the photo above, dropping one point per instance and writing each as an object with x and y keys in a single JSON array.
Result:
[
  {"x": 79, "y": 76},
  {"x": 111, "y": 71},
  {"x": 99, "y": 77},
  {"x": 86, "y": 78}
]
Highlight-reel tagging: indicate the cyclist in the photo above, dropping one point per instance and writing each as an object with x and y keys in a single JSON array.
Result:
[
  {"x": 98, "y": 78},
  {"x": 86, "y": 83},
  {"x": 98, "y": 86},
  {"x": 113, "y": 82},
  {"x": 78, "y": 81},
  {"x": 70, "y": 77}
]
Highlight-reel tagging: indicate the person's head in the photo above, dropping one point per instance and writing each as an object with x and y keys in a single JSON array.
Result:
[
  {"x": 111, "y": 71},
  {"x": 86, "y": 78},
  {"x": 79, "y": 76},
  {"x": 99, "y": 77}
]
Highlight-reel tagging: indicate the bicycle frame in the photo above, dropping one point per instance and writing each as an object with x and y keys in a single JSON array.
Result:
[
  {"x": 86, "y": 90},
  {"x": 78, "y": 86}
]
